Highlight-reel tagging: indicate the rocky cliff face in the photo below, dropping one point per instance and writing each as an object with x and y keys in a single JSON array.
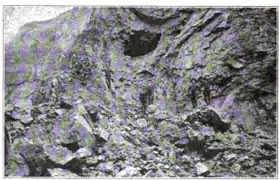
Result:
[{"x": 124, "y": 92}]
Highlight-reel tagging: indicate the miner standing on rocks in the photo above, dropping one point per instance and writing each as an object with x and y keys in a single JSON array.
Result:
[
  {"x": 108, "y": 75},
  {"x": 150, "y": 90},
  {"x": 146, "y": 96},
  {"x": 193, "y": 92},
  {"x": 143, "y": 101},
  {"x": 7, "y": 144},
  {"x": 206, "y": 89}
]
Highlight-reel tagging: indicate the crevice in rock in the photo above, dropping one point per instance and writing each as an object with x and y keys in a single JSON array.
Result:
[
  {"x": 145, "y": 73},
  {"x": 141, "y": 43},
  {"x": 72, "y": 146}
]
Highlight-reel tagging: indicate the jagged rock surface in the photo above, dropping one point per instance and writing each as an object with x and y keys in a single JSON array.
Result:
[{"x": 73, "y": 86}]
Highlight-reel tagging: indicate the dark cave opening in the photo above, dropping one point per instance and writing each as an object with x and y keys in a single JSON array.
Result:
[
  {"x": 141, "y": 43},
  {"x": 71, "y": 146}
]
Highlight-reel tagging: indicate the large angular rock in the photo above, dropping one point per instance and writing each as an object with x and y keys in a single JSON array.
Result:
[
  {"x": 201, "y": 169},
  {"x": 22, "y": 111},
  {"x": 83, "y": 153},
  {"x": 210, "y": 117},
  {"x": 118, "y": 140},
  {"x": 142, "y": 123},
  {"x": 102, "y": 133},
  {"x": 73, "y": 128},
  {"x": 62, "y": 157},
  {"x": 106, "y": 167},
  {"x": 80, "y": 108},
  {"x": 35, "y": 158}
]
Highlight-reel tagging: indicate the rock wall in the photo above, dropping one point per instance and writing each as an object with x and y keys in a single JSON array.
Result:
[{"x": 120, "y": 86}]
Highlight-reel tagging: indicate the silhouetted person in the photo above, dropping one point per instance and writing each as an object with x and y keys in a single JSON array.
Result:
[
  {"x": 206, "y": 89},
  {"x": 150, "y": 90},
  {"x": 193, "y": 92},
  {"x": 146, "y": 97},
  {"x": 108, "y": 74},
  {"x": 142, "y": 98},
  {"x": 7, "y": 144},
  {"x": 174, "y": 84}
]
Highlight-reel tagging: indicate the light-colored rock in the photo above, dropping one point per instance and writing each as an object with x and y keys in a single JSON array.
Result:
[
  {"x": 27, "y": 120},
  {"x": 83, "y": 152},
  {"x": 103, "y": 133},
  {"x": 57, "y": 172},
  {"x": 187, "y": 159},
  {"x": 128, "y": 172},
  {"x": 106, "y": 167},
  {"x": 80, "y": 120},
  {"x": 74, "y": 128},
  {"x": 151, "y": 109},
  {"x": 195, "y": 135},
  {"x": 230, "y": 157},
  {"x": 117, "y": 139},
  {"x": 234, "y": 128},
  {"x": 42, "y": 117},
  {"x": 9, "y": 107},
  {"x": 59, "y": 111},
  {"x": 235, "y": 64},
  {"x": 81, "y": 110},
  {"x": 142, "y": 123},
  {"x": 201, "y": 168},
  {"x": 18, "y": 125},
  {"x": 236, "y": 167},
  {"x": 60, "y": 155},
  {"x": 161, "y": 115}
]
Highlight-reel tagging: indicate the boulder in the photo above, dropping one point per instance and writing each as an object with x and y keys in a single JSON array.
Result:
[
  {"x": 61, "y": 173},
  {"x": 128, "y": 172},
  {"x": 201, "y": 169},
  {"x": 210, "y": 117}
]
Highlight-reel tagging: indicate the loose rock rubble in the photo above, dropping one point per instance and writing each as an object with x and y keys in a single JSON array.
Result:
[{"x": 77, "y": 120}]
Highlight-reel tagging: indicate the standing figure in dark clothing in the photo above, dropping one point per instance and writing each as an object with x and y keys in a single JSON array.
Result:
[
  {"x": 108, "y": 74},
  {"x": 174, "y": 84},
  {"x": 150, "y": 90},
  {"x": 193, "y": 92},
  {"x": 146, "y": 96},
  {"x": 143, "y": 101},
  {"x": 7, "y": 144},
  {"x": 206, "y": 89}
]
